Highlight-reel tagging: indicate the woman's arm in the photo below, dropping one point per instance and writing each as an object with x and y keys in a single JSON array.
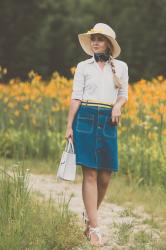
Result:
[
  {"x": 76, "y": 97},
  {"x": 121, "y": 100},
  {"x": 122, "y": 96},
  {"x": 74, "y": 105}
]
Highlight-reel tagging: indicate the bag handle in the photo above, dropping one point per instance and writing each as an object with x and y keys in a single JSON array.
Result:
[{"x": 69, "y": 143}]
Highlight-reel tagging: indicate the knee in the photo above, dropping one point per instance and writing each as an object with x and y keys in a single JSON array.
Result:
[
  {"x": 103, "y": 181},
  {"x": 90, "y": 175}
]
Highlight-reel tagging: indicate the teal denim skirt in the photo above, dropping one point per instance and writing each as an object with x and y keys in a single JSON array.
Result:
[{"x": 95, "y": 138}]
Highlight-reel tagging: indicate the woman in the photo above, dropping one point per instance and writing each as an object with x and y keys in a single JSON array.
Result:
[{"x": 100, "y": 89}]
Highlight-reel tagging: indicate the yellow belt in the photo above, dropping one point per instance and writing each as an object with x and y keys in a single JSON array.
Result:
[{"x": 96, "y": 103}]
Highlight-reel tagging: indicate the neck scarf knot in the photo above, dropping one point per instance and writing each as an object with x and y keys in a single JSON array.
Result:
[{"x": 103, "y": 57}]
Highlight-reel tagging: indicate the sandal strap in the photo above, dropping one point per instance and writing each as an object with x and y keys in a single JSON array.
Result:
[{"x": 95, "y": 230}]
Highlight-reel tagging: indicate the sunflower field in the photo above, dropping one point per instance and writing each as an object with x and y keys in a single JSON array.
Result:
[{"x": 33, "y": 119}]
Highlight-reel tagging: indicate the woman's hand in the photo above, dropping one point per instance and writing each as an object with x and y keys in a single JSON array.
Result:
[
  {"x": 69, "y": 133},
  {"x": 116, "y": 113}
]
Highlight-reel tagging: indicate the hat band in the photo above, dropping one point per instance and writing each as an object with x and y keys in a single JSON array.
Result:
[{"x": 95, "y": 31}]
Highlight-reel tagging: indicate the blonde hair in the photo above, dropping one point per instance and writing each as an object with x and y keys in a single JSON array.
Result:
[{"x": 116, "y": 79}]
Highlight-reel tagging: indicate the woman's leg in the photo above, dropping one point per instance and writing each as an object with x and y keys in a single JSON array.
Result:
[
  {"x": 89, "y": 194},
  {"x": 103, "y": 179}
]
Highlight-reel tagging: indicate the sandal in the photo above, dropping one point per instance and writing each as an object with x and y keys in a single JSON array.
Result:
[{"x": 95, "y": 230}]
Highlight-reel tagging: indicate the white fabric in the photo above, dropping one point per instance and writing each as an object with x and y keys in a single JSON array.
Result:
[{"x": 92, "y": 83}]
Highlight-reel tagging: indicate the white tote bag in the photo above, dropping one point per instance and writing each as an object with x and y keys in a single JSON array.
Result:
[{"x": 67, "y": 166}]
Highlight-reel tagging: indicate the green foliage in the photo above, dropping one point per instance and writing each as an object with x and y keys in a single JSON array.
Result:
[
  {"x": 42, "y": 35},
  {"x": 22, "y": 144},
  {"x": 26, "y": 223}
]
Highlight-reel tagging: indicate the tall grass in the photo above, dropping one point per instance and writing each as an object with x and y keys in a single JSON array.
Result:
[{"x": 27, "y": 223}]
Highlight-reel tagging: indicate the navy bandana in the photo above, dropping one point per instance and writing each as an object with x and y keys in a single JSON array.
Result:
[{"x": 101, "y": 57}]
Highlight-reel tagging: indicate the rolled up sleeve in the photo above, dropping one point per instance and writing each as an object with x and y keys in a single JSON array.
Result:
[
  {"x": 78, "y": 83},
  {"x": 123, "y": 91}
]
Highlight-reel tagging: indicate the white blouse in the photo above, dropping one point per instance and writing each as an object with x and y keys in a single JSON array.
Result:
[{"x": 93, "y": 83}]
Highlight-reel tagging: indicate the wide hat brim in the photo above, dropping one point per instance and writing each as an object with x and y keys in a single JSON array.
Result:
[{"x": 85, "y": 42}]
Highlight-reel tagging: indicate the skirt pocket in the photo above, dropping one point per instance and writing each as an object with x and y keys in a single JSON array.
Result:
[
  {"x": 109, "y": 129},
  {"x": 85, "y": 123}
]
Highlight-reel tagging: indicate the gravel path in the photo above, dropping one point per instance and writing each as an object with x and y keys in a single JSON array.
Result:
[{"x": 118, "y": 224}]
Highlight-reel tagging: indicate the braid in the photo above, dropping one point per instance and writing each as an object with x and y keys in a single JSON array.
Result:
[{"x": 116, "y": 79}]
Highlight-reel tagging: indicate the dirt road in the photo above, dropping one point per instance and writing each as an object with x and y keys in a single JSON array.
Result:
[{"x": 121, "y": 227}]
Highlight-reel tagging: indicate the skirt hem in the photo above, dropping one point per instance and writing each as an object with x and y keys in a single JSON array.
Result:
[{"x": 114, "y": 170}]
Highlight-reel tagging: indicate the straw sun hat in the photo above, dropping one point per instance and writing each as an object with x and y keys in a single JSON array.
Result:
[{"x": 100, "y": 28}]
